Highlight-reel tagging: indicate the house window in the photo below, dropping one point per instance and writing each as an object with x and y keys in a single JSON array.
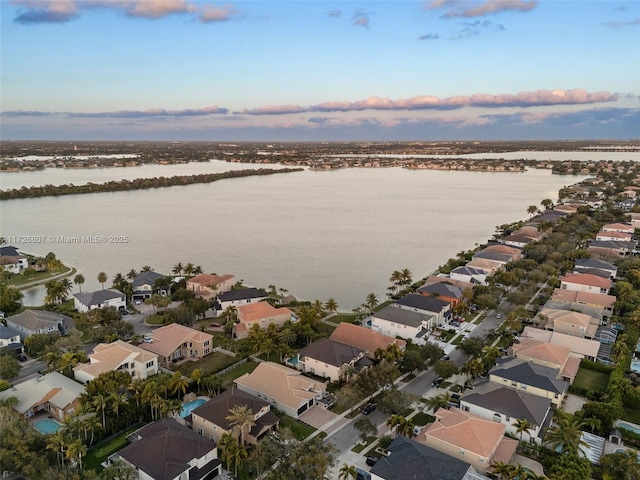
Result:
[
  {"x": 206, "y": 344},
  {"x": 200, "y": 431},
  {"x": 149, "y": 364},
  {"x": 524, "y": 387},
  {"x": 206, "y": 351}
]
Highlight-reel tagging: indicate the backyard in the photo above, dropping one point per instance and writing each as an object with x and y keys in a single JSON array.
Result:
[{"x": 591, "y": 380}]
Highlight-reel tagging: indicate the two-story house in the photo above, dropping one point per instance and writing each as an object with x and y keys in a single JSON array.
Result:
[
  {"x": 440, "y": 309},
  {"x": 117, "y": 356},
  {"x": 327, "y": 358},
  {"x": 239, "y": 296},
  {"x": 209, "y": 285},
  {"x": 144, "y": 285},
  {"x": 394, "y": 321},
  {"x": 585, "y": 282},
  {"x": 260, "y": 313},
  {"x": 176, "y": 342}
]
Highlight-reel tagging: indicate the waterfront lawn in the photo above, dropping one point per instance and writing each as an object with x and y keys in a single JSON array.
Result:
[
  {"x": 22, "y": 279},
  {"x": 98, "y": 454},
  {"x": 212, "y": 363},
  {"x": 343, "y": 317},
  {"x": 591, "y": 380}
]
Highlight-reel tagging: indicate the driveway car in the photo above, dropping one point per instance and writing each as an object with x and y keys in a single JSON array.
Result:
[
  {"x": 371, "y": 461},
  {"x": 368, "y": 408},
  {"x": 437, "y": 381}
]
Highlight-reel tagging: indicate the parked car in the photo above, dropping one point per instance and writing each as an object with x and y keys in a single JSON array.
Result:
[
  {"x": 437, "y": 381},
  {"x": 22, "y": 357},
  {"x": 371, "y": 461},
  {"x": 498, "y": 315},
  {"x": 368, "y": 408},
  {"x": 445, "y": 358}
]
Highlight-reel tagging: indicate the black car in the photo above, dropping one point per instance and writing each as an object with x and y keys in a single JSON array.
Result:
[
  {"x": 22, "y": 357},
  {"x": 368, "y": 408},
  {"x": 371, "y": 461},
  {"x": 437, "y": 382}
]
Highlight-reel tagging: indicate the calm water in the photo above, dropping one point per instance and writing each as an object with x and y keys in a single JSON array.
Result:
[{"x": 319, "y": 234}]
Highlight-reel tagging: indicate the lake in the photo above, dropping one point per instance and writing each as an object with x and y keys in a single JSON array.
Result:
[{"x": 319, "y": 234}]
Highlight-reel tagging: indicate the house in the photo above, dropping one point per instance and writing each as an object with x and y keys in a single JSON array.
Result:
[
  {"x": 12, "y": 261},
  {"x": 581, "y": 347},
  {"x": 518, "y": 239},
  {"x": 469, "y": 274},
  {"x": 618, "y": 227},
  {"x": 440, "y": 309},
  {"x": 117, "y": 356},
  {"x": 52, "y": 393},
  {"x": 211, "y": 420},
  {"x": 505, "y": 405},
  {"x": 548, "y": 355},
  {"x": 611, "y": 248},
  {"x": 394, "y": 321},
  {"x": 603, "y": 235},
  {"x": 327, "y": 358},
  {"x": 568, "y": 322},
  {"x": 514, "y": 252},
  {"x": 486, "y": 265},
  {"x": 431, "y": 279},
  {"x": 261, "y": 314},
  {"x": 175, "y": 342},
  {"x": 599, "y": 300},
  {"x": 31, "y": 322},
  {"x": 364, "y": 338},
  {"x": 145, "y": 284},
  {"x": 588, "y": 265},
  {"x": 443, "y": 291},
  {"x": 627, "y": 204},
  {"x": 239, "y": 296},
  {"x": 501, "y": 258},
  {"x": 86, "y": 301},
  {"x": 10, "y": 340},
  {"x": 530, "y": 377},
  {"x": 167, "y": 450},
  {"x": 408, "y": 459},
  {"x": 468, "y": 437},
  {"x": 209, "y": 285},
  {"x": 584, "y": 282},
  {"x": 284, "y": 388}
]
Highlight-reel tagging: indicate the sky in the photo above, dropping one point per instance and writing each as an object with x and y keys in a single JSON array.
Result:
[{"x": 319, "y": 70}]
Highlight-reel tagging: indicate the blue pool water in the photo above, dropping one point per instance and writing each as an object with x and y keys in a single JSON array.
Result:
[
  {"x": 629, "y": 426},
  {"x": 188, "y": 407},
  {"x": 47, "y": 425}
]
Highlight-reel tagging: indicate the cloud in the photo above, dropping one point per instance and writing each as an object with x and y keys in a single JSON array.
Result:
[
  {"x": 470, "y": 9},
  {"x": 428, "y": 102},
  {"x": 471, "y": 29},
  {"x": 60, "y": 11},
  {"x": 46, "y": 11},
  {"x": 429, "y": 36},
  {"x": 218, "y": 14},
  {"x": 133, "y": 114},
  {"x": 360, "y": 19},
  {"x": 623, "y": 24}
]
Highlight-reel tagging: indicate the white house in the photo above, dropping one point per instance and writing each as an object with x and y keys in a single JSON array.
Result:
[
  {"x": 395, "y": 321},
  {"x": 117, "y": 356},
  {"x": 11, "y": 260},
  {"x": 470, "y": 275},
  {"x": 585, "y": 282},
  {"x": 239, "y": 296},
  {"x": 85, "y": 301}
]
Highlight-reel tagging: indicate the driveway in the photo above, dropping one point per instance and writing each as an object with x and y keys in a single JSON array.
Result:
[{"x": 318, "y": 416}]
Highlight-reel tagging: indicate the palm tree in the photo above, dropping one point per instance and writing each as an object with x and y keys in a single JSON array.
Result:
[
  {"x": 196, "y": 377},
  {"x": 406, "y": 277},
  {"x": 394, "y": 421},
  {"x": 197, "y": 270},
  {"x": 117, "y": 401},
  {"x": 522, "y": 426},
  {"x": 547, "y": 203},
  {"x": 396, "y": 281},
  {"x": 372, "y": 301},
  {"x": 242, "y": 417},
  {"x": 132, "y": 274},
  {"x": 100, "y": 402},
  {"x": 102, "y": 277},
  {"x": 439, "y": 401},
  {"x": 593, "y": 422},
  {"x": 502, "y": 470},
  {"x": 177, "y": 269},
  {"x": 145, "y": 268},
  {"x": 287, "y": 336},
  {"x": 188, "y": 269},
  {"x": 532, "y": 210},
  {"x": 331, "y": 305},
  {"x": 75, "y": 451},
  {"x": 348, "y": 471},
  {"x": 565, "y": 435},
  {"x": 58, "y": 444},
  {"x": 179, "y": 383},
  {"x": 79, "y": 280},
  {"x": 137, "y": 386}
]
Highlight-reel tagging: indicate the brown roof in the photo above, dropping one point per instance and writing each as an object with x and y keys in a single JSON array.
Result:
[
  {"x": 254, "y": 312},
  {"x": 168, "y": 339},
  {"x": 503, "y": 249},
  {"x": 363, "y": 337},
  {"x": 587, "y": 279},
  {"x": 587, "y": 298},
  {"x": 544, "y": 352},
  {"x": 285, "y": 385},
  {"x": 466, "y": 431},
  {"x": 207, "y": 279},
  {"x": 431, "y": 279}
]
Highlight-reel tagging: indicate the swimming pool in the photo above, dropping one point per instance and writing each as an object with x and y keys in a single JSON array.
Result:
[
  {"x": 629, "y": 426},
  {"x": 188, "y": 407},
  {"x": 46, "y": 426}
]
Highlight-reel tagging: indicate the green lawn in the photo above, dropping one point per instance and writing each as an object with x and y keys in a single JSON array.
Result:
[
  {"x": 421, "y": 419},
  {"x": 359, "y": 446},
  {"x": 248, "y": 367},
  {"x": 300, "y": 430},
  {"x": 591, "y": 380},
  {"x": 212, "y": 363},
  {"x": 631, "y": 415},
  {"x": 343, "y": 317},
  {"x": 19, "y": 280},
  {"x": 100, "y": 452}
]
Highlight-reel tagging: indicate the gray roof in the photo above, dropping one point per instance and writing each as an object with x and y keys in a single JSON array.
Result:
[
  {"x": 421, "y": 302},
  {"x": 7, "y": 332},
  {"x": 242, "y": 294},
  {"x": 614, "y": 244},
  {"x": 39, "y": 319},
  {"x": 590, "y": 310},
  {"x": 593, "y": 271},
  {"x": 497, "y": 256},
  {"x": 402, "y": 316},
  {"x": 442, "y": 289},
  {"x": 464, "y": 270},
  {"x": 9, "y": 251},
  {"x": 165, "y": 448},
  {"x": 146, "y": 278},
  {"x": 595, "y": 263},
  {"x": 410, "y": 460},
  {"x": 530, "y": 374},
  {"x": 509, "y": 402},
  {"x": 98, "y": 297},
  {"x": 331, "y": 352}
]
